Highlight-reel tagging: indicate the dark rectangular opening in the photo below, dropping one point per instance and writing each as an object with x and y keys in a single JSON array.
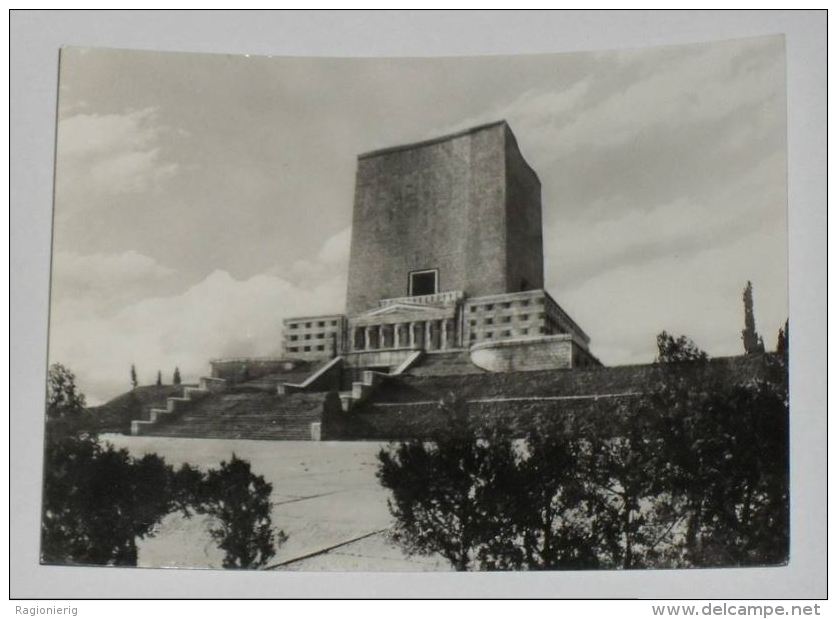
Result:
[{"x": 423, "y": 282}]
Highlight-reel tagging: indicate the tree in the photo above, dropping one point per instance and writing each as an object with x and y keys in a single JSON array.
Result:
[
  {"x": 66, "y": 414},
  {"x": 98, "y": 500},
  {"x": 176, "y": 377},
  {"x": 446, "y": 495},
  {"x": 753, "y": 343},
  {"x": 692, "y": 472},
  {"x": 782, "y": 341},
  {"x": 134, "y": 382},
  {"x": 159, "y": 379},
  {"x": 725, "y": 461},
  {"x": 677, "y": 350},
  {"x": 239, "y": 503},
  {"x": 63, "y": 397},
  {"x": 549, "y": 506}
]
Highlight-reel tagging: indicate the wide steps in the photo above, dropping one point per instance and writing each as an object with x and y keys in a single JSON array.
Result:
[
  {"x": 451, "y": 363},
  {"x": 265, "y": 416}
]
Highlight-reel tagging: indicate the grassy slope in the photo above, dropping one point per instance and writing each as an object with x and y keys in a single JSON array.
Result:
[{"x": 117, "y": 414}]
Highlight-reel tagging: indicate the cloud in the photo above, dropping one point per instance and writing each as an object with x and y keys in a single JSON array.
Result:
[
  {"x": 101, "y": 157},
  {"x": 332, "y": 258},
  {"x": 100, "y": 283},
  {"x": 99, "y": 328}
]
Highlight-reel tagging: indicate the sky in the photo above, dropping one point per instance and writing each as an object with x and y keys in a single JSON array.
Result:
[{"x": 200, "y": 199}]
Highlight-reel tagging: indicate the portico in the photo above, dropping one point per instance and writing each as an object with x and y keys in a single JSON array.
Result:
[{"x": 406, "y": 326}]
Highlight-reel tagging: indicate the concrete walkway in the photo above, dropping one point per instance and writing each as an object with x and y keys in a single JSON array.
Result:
[{"x": 325, "y": 497}]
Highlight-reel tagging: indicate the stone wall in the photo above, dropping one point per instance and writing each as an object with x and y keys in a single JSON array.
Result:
[
  {"x": 443, "y": 204},
  {"x": 241, "y": 370},
  {"x": 542, "y": 353},
  {"x": 524, "y": 238},
  {"x": 326, "y": 379},
  {"x": 406, "y": 407}
]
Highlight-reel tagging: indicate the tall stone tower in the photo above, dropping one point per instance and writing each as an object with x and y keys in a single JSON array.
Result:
[{"x": 460, "y": 212}]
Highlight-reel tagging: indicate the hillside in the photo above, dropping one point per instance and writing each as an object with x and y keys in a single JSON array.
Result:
[{"x": 116, "y": 414}]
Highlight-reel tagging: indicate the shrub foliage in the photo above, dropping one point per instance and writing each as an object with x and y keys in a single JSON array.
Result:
[
  {"x": 98, "y": 500},
  {"x": 694, "y": 472}
]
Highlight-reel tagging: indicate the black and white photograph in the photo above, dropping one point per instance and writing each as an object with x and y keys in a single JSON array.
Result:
[
  {"x": 418, "y": 304},
  {"x": 390, "y": 314}
]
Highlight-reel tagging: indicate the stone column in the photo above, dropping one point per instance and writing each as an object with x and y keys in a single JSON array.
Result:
[
  {"x": 444, "y": 337},
  {"x": 412, "y": 328},
  {"x": 428, "y": 336},
  {"x": 396, "y": 335},
  {"x": 381, "y": 337},
  {"x": 367, "y": 338}
]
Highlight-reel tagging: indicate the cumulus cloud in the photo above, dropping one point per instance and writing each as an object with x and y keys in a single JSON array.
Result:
[
  {"x": 100, "y": 281},
  {"x": 332, "y": 259},
  {"x": 101, "y": 157},
  {"x": 219, "y": 316}
]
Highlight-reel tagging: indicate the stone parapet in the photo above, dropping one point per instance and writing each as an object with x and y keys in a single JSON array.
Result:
[{"x": 536, "y": 353}]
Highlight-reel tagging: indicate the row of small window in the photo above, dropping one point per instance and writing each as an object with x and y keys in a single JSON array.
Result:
[
  {"x": 307, "y": 336},
  {"x": 308, "y": 325},
  {"x": 305, "y": 348},
  {"x": 521, "y": 317},
  {"x": 490, "y": 334},
  {"x": 507, "y": 304}
]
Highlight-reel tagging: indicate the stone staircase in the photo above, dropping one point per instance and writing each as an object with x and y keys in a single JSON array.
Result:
[
  {"x": 448, "y": 363},
  {"x": 217, "y": 410},
  {"x": 206, "y": 387},
  {"x": 369, "y": 380},
  {"x": 267, "y": 416}
]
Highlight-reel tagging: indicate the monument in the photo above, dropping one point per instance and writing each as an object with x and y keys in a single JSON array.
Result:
[{"x": 446, "y": 255}]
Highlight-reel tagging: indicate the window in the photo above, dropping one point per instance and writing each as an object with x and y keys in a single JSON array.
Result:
[
  {"x": 307, "y": 336},
  {"x": 506, "y": 319},
  {"x": 489, "y": 321},
  {"x": 294, "y": 325},
  {"x": 473, "y": 323},
  {"x": 488, "y": 335},
  {"x": 320, "y": 336},
  {"x": 524, "y": 303},
  {"x": 541, "y": 330},
  {"x": 525, "y": 331},
  {"x": 489, "y": 307},
  {"x": 294, "y": 338},
  {"x": 320, "y": 347},
  {"x": 506, "y": 305},
  {"x": 506, "y": 333},
  {"x": 307, "y": 349},
  {"x": 473, "y": 308},
  {"x": 321, "y": 323},
  {"x": 473, "y": 336},
  {"x": 424, "y": 282},
  {"x": 524, "y": 317},
  {"x": 307, "y": 325},
  {"x": 333, "y": 323},
  {"x": 293, "y": 349}
]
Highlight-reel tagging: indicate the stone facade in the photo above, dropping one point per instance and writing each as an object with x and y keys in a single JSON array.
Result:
[
  {"x": 446, "y": 254},
  {"x": 466, "y": 206}
]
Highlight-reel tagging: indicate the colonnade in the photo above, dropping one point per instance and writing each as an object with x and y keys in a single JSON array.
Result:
[{"x": 426, "y": 334}]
